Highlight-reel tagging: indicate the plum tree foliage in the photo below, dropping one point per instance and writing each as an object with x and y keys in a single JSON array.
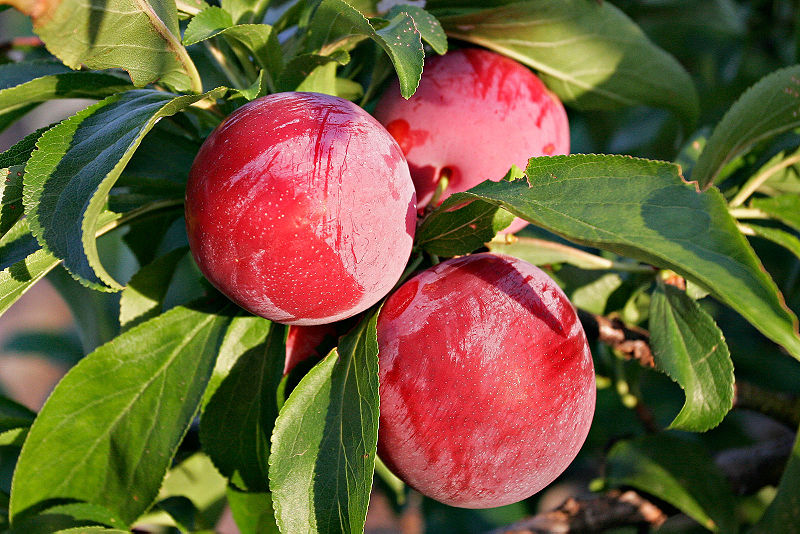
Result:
[{"x": 287, "y": 232}]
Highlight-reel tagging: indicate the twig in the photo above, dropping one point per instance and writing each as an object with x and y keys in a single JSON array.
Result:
[
  {"x": 631, "y": 341},
  {"x": 593, "y": 514}
]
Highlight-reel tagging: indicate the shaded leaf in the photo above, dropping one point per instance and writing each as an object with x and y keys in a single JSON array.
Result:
[
  {"x": 678, "y": 472},
  {"x": 181, "y": 509},
  {"x": 451, "y": 230},
  {"x": 589, "y": 53},
  {"x": 143, "y": 298},
  {"x": 197, "y": 479},
  {"x": 768, "y": 108},
  {"x": 399, "y": 38},
  {"x": 784, "y": 510},
  {"x": 301, "y": 67},
  {"x": 543, "y": 252},
  {"x": 12, "y": 169},
  {"x": 62, "y": 347},
  {"x": 141, "y": 37},
  {"x": 643, "y": 210},
  {"x": 14, "y": 415},
  {"x": 109, "y": 430},
  {"x": 325, "y": 438},
  {"x": 237, "y": 422},
  {"x": 22, "y": 84},
  {"x": 70, "y": 174},
  {"x": 690, "y": 348},
  {"x": 252, "y": 512},
  {"x": 781, "y": 237},
  {"x": 785, "y": 208}
]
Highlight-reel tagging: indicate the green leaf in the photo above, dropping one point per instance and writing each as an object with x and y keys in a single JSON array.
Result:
[
  {"x": 690, "y": 348},
  {"x": 325, "y": 438},
  {"x": 31, "y": 82},
  {"x": 245, "y": 11},
  {"x": 678, "y": 472},
  {"x": 70, "y": 174},
  {"x": 142, "y": 38},
  {"x": 17, "y": 244},
  {"x": 429, "y": 27},
  {"x": 785, "y": 208},
  {"x": 543, "y": 252},
  {"x": 197, "y": 478},
  {"x": 252, "y": 512},
  {"x": 14, "y": 437},
  {"x": 237, "y": 422},
  {"x": 109, "y": 430},
  {"x": 182, "y": 510},
  {"x": 644, "y": 210},
  {"x": 259, "y": 39},
  {"x": 300, "y": 68},
  {"x": 784, "y": 510},
  {"x": 769, "y": 107},
  {"x": 143, "y": 298},
  {"x": 245, "y": 333},
  {"x": 12, "y": 168},
  {"x": 781, "y": 237},
  {"x": 92, "y": 530},
  {"x": 589, "y": 53},
  {"x": 399, "y": 37},
  {"x": 452, "y": 230},
  {"x": 20, "y": 277}
]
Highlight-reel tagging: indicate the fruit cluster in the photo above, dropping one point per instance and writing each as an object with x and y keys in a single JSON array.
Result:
[{"x": 302, "y": 207}]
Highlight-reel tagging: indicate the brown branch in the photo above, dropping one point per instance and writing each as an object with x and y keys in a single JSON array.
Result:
[
  {"x": 748, "y": 469},
  {"x": 633, "y": 342},
  {"x": 593, "y": 514}
]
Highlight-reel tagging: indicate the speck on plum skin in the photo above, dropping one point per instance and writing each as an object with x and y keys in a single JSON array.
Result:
[
  {"x": 486, "y": 381},
  {"x": 300, "y": 208},
  {"x": 474, "y": 115}
]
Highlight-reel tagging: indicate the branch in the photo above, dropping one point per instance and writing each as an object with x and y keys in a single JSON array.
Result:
[
  {"x": 633, "y": 342},
  {"x": 593, "y": 514},
  {"x": 748, "y": 469}
]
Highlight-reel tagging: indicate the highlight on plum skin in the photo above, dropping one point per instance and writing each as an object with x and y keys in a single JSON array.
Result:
[
  {"x": 475, "y": 114},
  {"x": 300, "y": 208},
  {"x": 486, "y": 381}
]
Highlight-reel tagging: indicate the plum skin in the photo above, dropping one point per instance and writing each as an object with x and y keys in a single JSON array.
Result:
[
  {"x": 300, "y": 208},
  {"x": 475, "y": 114},
  {"x": 486, "y": 381}
]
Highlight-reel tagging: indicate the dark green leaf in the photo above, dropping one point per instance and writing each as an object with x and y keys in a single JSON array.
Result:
[
  {"x": 768, "y": 108},
  {"x": 252, "y": 512},
  {"x": 452, "y": 230},
  {"x": 17, "y": 244},
  {"x": 9, "y": 118},
  {"x": 182, "y": 510},
  {"x": 69, "y": 175},
  {"x": 689, "y": 347},
  {"x": 642, "y": 209},
  {"x": 678, "y": 472},
  {"x": 197, "y": 479},
  {"x": 60, "y": 346},
  {"x": 27, "y": 83},
  {"x": 237, "y": 422},
  {"x": 142, "y": 38},
  {"x": 335, "y": 19},
  {"x": 14, "y": 415},
  {"x": 589, "y": 53},
  {"x": 18, "y": 278},
  {"x": 783, "y": 238},
  {"x": 784, "y": 511},
  {"x": 143, "y": 298},
  {"x": 785, "y": 208},
  {"x": 429, "y": 28},
  {"x": 323, "y": 446},
  {"x": 109, "y": 430},
  {"x": 12, "y": 167}
]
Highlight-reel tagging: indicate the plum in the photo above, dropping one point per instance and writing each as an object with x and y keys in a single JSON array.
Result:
[
  {"x": 475, "y": 114},
  {"x": 300, "y": 208},
  {"x": 486, "y": 381}
]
